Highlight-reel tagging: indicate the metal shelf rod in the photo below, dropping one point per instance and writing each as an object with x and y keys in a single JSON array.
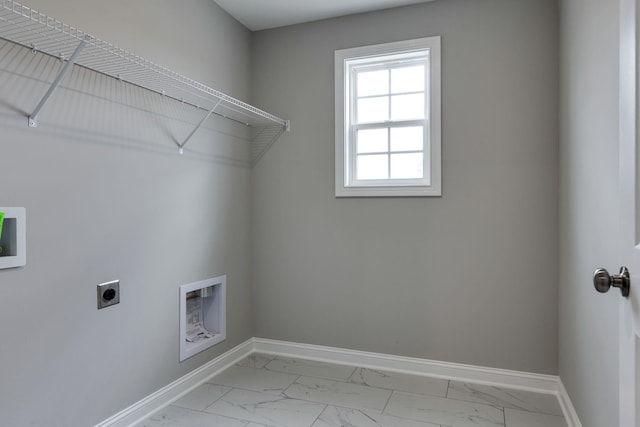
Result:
[
  {"x": 33, "y": 118},
  {"x": 204, "y": 119}
]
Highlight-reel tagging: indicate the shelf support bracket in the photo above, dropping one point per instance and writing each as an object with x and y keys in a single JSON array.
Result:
[
  {"x": 33, "y": 118},
  {"x": 204, "y": 119}
]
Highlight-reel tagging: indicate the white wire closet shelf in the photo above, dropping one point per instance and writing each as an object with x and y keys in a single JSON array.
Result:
[{"x": 24, "y": 26}]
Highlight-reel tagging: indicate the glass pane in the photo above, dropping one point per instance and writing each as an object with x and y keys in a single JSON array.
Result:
[
  {"x": 407, "y": 166},
  {"x": 407, "y": 79},
  {"x": 407, "y": 107},
  {"x": 372, "y": 167},
  {"x": 372, "y": 141},
  {"x": 373, "y": 110},
  {"x": 373, "y": 83},
  {"x": 407, "y": 139}
]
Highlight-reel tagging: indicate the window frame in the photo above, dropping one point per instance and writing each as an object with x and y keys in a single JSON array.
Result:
[{"x": 347, "y": 61}]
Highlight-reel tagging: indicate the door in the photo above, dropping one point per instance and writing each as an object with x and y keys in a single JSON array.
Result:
[{"x": 629, "y": 330}]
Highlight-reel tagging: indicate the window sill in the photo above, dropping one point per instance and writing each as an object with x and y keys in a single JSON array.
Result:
[{"x": 390, "y": 191}]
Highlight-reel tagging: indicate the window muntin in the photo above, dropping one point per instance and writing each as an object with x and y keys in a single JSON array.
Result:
[{"x": 386, "y": 135}]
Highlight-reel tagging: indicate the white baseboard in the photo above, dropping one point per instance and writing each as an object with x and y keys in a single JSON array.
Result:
[
  {"x": 499, "y": 377},
  {"x": 163, "y": 397},
  {"x": 539, "y": 383},
  {"x": 569, "y": 411}
]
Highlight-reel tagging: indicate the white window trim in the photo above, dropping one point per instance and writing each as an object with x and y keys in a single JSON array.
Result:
[{"x": 342, "y": 96}]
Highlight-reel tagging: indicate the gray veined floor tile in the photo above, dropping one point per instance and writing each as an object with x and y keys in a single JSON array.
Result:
[
  {"x": 335, "y": 416},
  {"x": 338, "y": 393},
  {"x": 515, "y": 418},
  {"x": 173, "y": 416},
  {"x": 254, "y": 379},
  {"x": 310, "y": 368},
  {"x": 267, "y": 409},
  {"x": 202, "y": 396},
  {"x": 449, "y": 412},
  {"x": 401, "y": 382},
  {"x": 515, "y": 399},
  {"x": 255, "y": 360}
]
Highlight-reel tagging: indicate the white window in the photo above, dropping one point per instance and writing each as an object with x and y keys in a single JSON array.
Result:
[{"x": 388, "y": 119}]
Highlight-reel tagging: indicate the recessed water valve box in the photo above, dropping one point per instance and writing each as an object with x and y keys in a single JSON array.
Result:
[
  {"x": 13, "y": 237},
  {"x": 203, "y": 318}
]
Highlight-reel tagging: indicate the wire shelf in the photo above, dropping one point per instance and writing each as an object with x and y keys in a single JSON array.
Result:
[{"x": 41, "y": 33}]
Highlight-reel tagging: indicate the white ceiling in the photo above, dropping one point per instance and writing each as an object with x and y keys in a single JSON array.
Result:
[{"x": 263, "y": 14}]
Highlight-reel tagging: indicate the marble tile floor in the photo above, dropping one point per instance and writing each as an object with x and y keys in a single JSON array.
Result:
[{"x": 273, "y": 391}]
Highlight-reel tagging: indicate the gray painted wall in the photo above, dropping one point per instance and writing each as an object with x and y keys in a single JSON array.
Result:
[
  {"x": 108, "y": 197},
  {"x": 588, "y": 321},
  {"x": 470, "y": 277},
  {"x": 453, "y": 278}
]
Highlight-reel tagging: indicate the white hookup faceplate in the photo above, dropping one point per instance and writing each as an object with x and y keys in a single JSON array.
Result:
[{"x": 13, "y": 241}]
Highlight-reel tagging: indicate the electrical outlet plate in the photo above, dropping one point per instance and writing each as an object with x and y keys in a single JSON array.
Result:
[{"x": 108, "y": 294}]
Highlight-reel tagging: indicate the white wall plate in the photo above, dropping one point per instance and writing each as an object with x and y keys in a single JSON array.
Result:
[
  {"x": 212, "y": 314},
  {"x": 14, "y": 238}
]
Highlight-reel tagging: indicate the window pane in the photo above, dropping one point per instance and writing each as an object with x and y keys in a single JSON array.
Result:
[
  {"x": 407, "y": 139},
  {"x": 373, "y": 110},
  {"x": 372, "y": 141},
  {"x": 407, "y": 166},
  {"x": 407, "y": 79},
  {"x": 372, "y": 167},
  {"x": 373, "y": 83},
  {"x": 407, "y": 107}
]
